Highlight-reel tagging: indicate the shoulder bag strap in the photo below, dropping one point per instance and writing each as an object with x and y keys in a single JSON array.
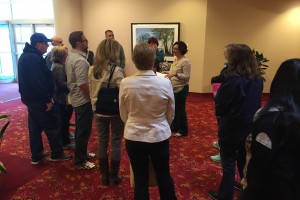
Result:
[{"x": 112, "y": 69}]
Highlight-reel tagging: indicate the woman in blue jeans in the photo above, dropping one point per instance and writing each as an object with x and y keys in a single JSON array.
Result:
[
  {"x": 147, "y": 109},
  {"x": 179, "y": 75}
]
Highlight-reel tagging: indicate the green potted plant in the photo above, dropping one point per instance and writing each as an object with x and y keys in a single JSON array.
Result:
[
  {"x": 2, "y": 117},
  {"x": 261, "y": 61}
]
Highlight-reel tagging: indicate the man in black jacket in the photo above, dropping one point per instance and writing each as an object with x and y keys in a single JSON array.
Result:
[{"x": 36, "y": 87}]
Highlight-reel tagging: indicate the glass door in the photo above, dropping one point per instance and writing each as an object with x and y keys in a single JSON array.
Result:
[
  {"x": 6, "y": 59},
  {"x": 22, "y": 35}
]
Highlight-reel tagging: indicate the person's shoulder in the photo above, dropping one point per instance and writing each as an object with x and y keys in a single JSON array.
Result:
[
  {"x": 120, "y": 69},
  {"x": 161, "y": 79},
  {"x": 49, "y": 53},
  {"x": 186, "y": 61},
  {"x": 160, "y": 52}
]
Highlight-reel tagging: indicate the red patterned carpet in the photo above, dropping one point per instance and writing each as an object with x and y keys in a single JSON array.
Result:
[
  {"x": 192, "y": 170},
  {"x": 8, "y": 92}
]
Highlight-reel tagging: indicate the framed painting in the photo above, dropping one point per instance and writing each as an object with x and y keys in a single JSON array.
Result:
[{"x": 165, "y": 33}]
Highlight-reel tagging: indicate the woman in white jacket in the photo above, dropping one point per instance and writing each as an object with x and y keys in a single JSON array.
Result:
[
  {"x": 147, "y": 109},
  {"x": 106, "y": 57}
]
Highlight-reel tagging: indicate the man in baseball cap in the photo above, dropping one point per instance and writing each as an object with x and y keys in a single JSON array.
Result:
[
  {"x": 36, "y": 86},
  {"x": 38, "y": 37}
]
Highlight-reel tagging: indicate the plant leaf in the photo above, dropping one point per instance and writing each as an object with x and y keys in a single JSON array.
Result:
[
  {"x": 3, "y": 116},
  {"x": 2, "y": 168},
  {"x": 3, "y": 130}
]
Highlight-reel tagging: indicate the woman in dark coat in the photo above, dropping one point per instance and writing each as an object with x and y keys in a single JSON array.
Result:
[
  {"x": 273, "y": 158},
  {"x": 236, "y": 102}
]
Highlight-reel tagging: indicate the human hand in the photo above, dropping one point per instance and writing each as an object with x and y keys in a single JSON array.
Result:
[
  {"x": 170, "y": 75},
  {"x": 49, "y": 106}
]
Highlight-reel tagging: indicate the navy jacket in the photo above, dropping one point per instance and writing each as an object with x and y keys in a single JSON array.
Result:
[
  {"x": 236, "y": 102},
  {"x": 35, "y": 78}
]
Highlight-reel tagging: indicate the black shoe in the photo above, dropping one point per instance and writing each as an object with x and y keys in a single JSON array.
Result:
[
  {"x": 44, "y": 156},
  {"x": 71, "y": 145},
  {"x": 63, "y": 157},
  {"x": 237, "y": 186},
  {"x": 213, "y": 195}
]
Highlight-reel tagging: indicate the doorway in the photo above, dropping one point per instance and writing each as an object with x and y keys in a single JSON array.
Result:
[{"x": 12, "y": 39}]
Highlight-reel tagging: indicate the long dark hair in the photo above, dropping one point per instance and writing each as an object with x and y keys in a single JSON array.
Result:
[
  {"x": 285, "y": 96},
  {"x": 285, "y": 87},
  {"x": 241, "y": 61}
]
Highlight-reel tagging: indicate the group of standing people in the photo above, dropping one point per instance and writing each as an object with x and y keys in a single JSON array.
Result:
[
  {"x": 48, "y": 93},
  {"x": 152, "y": 107}
]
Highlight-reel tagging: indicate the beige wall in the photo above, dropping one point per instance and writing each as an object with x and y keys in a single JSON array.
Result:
[
  {"x": 67, "y": 17},
  {"x": 270, "y": 26},
  {"x": 118, "y": 15}
]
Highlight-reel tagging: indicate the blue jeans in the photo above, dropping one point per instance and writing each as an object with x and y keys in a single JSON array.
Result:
[
  {"x": 83, "y": 120},
  {"x": 139, "y": 153},
  {"x": 104, "y": 125},
  {"x": 39, "y": 120},
  {"x": 229, "y": 154},
  {"x": 180, "y": 123}
]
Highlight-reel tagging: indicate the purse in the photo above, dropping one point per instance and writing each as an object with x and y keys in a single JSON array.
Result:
[
  {"x": 108, "y": 98},
  {"x": 152, "y": 176}
]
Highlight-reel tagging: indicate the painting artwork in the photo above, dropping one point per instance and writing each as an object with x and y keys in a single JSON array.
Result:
[{"x": 165, "y": 33}]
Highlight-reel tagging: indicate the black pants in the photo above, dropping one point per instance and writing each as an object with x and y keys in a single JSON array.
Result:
[
  {"x": 180, "y": 123},
  {"x": 65, "y": 113},
  {"x": 139, "y": 153},
  {"x": 229, "y": 154},
  {"x": 83, "y": 120},
  {"x": 41, "y": 120}
]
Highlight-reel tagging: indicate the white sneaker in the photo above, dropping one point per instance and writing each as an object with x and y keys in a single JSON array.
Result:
[{"x": 86, "y": 165}]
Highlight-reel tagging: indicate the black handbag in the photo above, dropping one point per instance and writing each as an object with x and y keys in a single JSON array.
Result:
[{"x": 108, "y": 98}]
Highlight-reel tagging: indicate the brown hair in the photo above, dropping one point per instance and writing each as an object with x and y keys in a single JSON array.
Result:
[
  {"x": 143, "y": 56},
  {"x": 241, "y": 61},
  {"x": 75, "y": 37},
  {"x": 182, "y": 47}
]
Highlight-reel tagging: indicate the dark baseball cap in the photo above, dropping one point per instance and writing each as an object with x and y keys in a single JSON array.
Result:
[{"x": 38, "y": 37}]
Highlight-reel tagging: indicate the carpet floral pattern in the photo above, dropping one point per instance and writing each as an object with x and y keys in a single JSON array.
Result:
[{"x": 192, "y": 170}]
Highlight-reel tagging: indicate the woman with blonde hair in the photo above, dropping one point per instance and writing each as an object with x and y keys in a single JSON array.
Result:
[
  {"x": 58, "y": 58},
  {"x": 105, "y": 61},
  {"x": 147, "y": 108}
]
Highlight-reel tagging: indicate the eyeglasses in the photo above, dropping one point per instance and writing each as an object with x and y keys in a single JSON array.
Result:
[
  {"x": 175, "y": 49},
  {"x": 84, "y": 41}
]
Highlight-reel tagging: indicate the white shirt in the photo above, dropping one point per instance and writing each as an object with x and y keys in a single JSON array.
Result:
[{"x": 146, "y": 107}]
